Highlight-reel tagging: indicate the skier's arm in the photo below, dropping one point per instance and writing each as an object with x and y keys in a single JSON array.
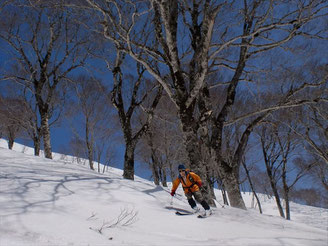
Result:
[
  {"x": 197, "y": 179},
  {"x": 175, "y": 186}
]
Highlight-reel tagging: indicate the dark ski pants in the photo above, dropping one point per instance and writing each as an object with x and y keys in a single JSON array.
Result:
[{"x": 199, "y": 198}]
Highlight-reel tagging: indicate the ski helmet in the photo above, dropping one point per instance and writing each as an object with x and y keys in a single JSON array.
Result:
[{"x": 181, "y": 167}]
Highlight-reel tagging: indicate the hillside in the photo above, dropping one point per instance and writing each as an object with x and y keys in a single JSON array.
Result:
[{"x": 54, "y": 202}]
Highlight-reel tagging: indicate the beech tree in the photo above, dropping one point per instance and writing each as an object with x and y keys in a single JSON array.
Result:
[
  {"x": 319, "y": 172},
  {"x": 95, "y": 111},
  {"x": 127, "y": 105},
  {"x": 252, "y": 186},
  {"x": 44, "y": 46},
  {"x": 314, "y": 128},
  {"x": 271, "y": 159},
  {"x": 12, "y": 110},
  {"x": 311, "y": 197},
  {"x": 313, "y": 131},
  {"x": 280, "y": 146},
  {"x": 162, "y": 146},
  {"x": 152, "y": 156},
  {"x": 22, "y": 113},
  {"x": 181, "y": 43}
]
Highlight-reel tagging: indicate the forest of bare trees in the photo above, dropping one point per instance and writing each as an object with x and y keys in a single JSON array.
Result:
[{"x": 235, "y": 90}]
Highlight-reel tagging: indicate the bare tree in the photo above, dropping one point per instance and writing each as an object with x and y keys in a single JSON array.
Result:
[
  {"x": 22, "y": 113},
  {"x": 270, "y": 155},
  {"x": 287, "y": 145},
  {"x": 95, "y": 111},
  {"x": 310, "y": 197},
  {"x": 191, "y": 39},
  {"x": 162, "y": 146},
  {"x": 127, "y": 109},
  {"x": 319, "y": 171},
  {"x": 247, "y": 171},
  {"x": 77, "y": 148},
  {"x": 154, "y": 160},
  {"x": 314, "y": 131},
  {"x": 27, "y": 114},
  {"x": 45, "y": 45},
  {"x": 110, "y": 156},
  {"x": 310, "y": 124},
  {"x": 12, "y": 111},
  {"x": 4, "y": 3},
  {"x": 34, "y": 128},
  {"x": 279, "y": 144}
]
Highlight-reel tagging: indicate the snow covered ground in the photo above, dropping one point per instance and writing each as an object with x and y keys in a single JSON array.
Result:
[{"x": 57, "y": 202}]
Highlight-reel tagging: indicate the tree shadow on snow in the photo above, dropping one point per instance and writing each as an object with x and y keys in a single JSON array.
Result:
[{"x": 24, "y": 190}]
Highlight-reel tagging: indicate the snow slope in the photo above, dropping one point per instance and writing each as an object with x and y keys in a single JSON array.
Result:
[{"x": 54, "y": 202}]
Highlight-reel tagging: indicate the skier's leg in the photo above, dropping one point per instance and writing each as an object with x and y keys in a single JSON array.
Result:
[
  {"x": 191, "y": 201},
  {"x": 199, "y": 197},
  {"x": 205, "y": 205}
]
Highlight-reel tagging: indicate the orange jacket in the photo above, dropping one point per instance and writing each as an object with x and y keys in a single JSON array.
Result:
[{"x": 187, "y": 184}]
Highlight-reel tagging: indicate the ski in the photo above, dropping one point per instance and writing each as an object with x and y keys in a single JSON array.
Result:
[
  {"x": 183, "y": 213},
  {"x": 180, "y": 210}
]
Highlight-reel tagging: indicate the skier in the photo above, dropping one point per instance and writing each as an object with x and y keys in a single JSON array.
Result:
[{"x": 191, "y": 183}]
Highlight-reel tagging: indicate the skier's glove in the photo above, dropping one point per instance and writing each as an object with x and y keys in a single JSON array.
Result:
[
  {"x": 172, "y": 193},
  {"x": 199, "y": 183}
]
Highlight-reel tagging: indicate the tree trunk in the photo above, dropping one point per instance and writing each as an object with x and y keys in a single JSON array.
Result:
[
  {"x": 208, "y": 187},
  {"x": 89, "y": 144},
  {"x": 90, "y": 158},
  {"x": 36, "y": 136},
  {"x": 225, "y": 198},
  {"x": 172, "y": 174},
  {"x": 37, "y": 146},
  {"x": 252, "y": 186},
  {"x": 234, "y": 195},
  {"x": 46, "y": 135},
  {"x": 193, "y": 148},
  {"x": 129, "y": 161},
  {"x": 286, "y": 192},
  {"x": 230, "y": 175},
  {"x": 287, "y": 207},
  {"x": 208, "y": 192},
  {"x": 276, "y": 194},
  {"x": 154, "y": 164},
  {"x": 231, "y": 184},
  {"x": 155, "y": 174},
  {"x": 163, "y": 177},
  {"x": 273, "y": 184},
  {"x": 223, "y": 190},
  {"x": 11, "y": 141},
  {"x": 257, "y": 200},
  {"x": 277, "y": 197}
]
